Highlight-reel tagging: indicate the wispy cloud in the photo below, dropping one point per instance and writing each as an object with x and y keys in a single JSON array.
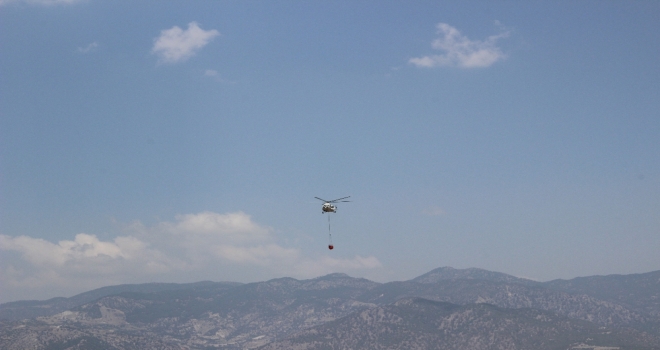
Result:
[
  {"x": 459, "y": 51},
  {"x": 213, "y": 74},
  {"x": 177, "y": 45},
  {"x": 204, "y": 244},
  {"x": 89, "y": 48}
]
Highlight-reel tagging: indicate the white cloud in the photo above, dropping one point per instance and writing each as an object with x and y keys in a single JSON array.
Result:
[
  {"x": 89, "y": 48},
  {"x": 209, "y": 245},
  {"x": 42, "y": 252},
  {"x": 43, "y": 268},
  {"x": 213, "y": 74},
  {"x": 177, "y": 45},
  {"x": 459, "y": 51},
  {"x": 237, "y": 225},
  {"x": 85, "y": 252}
]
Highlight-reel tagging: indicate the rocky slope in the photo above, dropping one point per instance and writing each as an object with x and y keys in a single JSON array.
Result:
[{"x": 415, "y": 323}]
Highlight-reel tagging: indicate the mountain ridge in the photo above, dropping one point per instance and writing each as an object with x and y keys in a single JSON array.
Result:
[
  {"x": 21, "y": 309},
  {"x": 251, "y": 315}
]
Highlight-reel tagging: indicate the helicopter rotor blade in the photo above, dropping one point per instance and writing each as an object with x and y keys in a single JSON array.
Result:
[
  {"x": 321, "y": 199},
  {"x": 339, "y": 199}
]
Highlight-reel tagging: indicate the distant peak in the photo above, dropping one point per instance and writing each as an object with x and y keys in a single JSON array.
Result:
[
  {"x": 445, "y": 268},
  {"x": 334, "y": 275},
  {"x": 473, "y": 273}
]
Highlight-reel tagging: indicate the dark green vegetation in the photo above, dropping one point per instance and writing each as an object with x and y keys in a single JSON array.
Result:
[{"x": 443, "y": 309}]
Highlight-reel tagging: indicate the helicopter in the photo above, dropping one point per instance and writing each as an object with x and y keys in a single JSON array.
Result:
[{"x": 327, "y": 205}]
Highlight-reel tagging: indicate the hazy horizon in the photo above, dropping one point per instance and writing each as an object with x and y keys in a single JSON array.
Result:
[{"x": 310, "y": 278}]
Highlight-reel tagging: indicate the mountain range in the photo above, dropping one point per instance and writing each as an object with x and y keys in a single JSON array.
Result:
[{"x": 445, "y": 308}]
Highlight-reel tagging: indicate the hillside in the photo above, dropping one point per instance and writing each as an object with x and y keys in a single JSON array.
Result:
[
  {"x": 510, "y": 313},
  {"x": 415, "y": 323}
]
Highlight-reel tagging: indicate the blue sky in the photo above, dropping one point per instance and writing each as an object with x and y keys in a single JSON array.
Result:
[{"x": 146, "y": 141}]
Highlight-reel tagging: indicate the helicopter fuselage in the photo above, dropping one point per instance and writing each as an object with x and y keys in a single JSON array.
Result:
[{"x": 329, "y": 208}]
